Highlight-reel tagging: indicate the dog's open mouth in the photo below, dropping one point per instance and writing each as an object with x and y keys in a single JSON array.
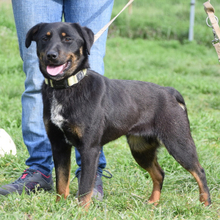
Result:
[{"x": 57, "y": 70}]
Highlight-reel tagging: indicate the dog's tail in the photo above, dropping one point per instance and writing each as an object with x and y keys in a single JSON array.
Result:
[{"x": 179, "y": 98}]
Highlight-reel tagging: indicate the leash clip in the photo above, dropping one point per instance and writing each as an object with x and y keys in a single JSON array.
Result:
[
  {"x": 207, "y": 21},
  {"x": 214, "y": 25},
  {"x": 216, "y": 39}
]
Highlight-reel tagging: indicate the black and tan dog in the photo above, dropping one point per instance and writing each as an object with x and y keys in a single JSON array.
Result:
[{"x": 87, "y": 110}]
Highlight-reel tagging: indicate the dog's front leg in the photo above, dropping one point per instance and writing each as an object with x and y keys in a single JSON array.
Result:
[
  {"x": 89, "y": 158},
  {"x": 62, "y": 160},
  {"x": 61, "y": 150}
]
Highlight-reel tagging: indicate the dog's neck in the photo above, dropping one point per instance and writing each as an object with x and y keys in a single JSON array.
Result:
[{"x": 68, "y": 82}]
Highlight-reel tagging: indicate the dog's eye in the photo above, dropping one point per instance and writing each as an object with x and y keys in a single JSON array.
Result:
[
  {"x": 45, "y": 38},
  {"x": 67, "y": 39}
]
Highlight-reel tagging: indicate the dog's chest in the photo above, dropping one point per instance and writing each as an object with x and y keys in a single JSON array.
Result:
[
  {"x": 56, "y": 113},
  {"x": 71, "y": 132}
]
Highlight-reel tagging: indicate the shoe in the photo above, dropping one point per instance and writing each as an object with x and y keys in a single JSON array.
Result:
[
  {"x": 98, "y": 187},
  {"x": 30, "y": 181}
]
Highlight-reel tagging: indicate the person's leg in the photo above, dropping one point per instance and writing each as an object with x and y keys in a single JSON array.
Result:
[
  {"x": 28, "y": 13},
  {"x": 95, "y": 15}
]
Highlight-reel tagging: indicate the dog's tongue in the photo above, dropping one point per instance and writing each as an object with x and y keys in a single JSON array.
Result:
[{"x": 55, "y": 70}]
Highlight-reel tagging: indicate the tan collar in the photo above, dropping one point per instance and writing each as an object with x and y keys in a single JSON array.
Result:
[{"x": 65, "y": 83}]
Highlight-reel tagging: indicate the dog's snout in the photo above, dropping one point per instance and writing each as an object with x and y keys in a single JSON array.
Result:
[{"x": 52, "y": 55}]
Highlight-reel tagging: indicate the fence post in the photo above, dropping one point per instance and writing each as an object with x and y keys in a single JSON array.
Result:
[{"x": 192, "y": 17}]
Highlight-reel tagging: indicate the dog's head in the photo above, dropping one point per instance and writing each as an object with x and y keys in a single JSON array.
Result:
[{"x": 62, "y": 48}]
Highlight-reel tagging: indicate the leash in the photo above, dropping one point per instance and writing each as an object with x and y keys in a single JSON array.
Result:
[
  {"x": 209, "y": 9},
  {"x": 96, "y": 37}
]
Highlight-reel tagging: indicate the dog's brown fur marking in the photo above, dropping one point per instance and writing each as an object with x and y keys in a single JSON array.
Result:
[
  {"x": 77, "y": 130},
  {"x": 62, "y": 184},
  {"x": 85, "y": 200},
  {"x": 157, "y": 178},
  {"x": 203, "y": 195},
  {"x": 81, "y": 51}
]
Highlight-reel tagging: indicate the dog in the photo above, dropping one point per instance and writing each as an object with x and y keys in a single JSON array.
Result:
[{"x": 87, "y": 110}]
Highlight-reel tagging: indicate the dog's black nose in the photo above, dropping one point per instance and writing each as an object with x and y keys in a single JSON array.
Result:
[{"x": 52, "y": 55}]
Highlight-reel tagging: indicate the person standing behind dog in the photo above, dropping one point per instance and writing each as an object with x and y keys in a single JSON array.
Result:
[{"x": 27, "y": 13}]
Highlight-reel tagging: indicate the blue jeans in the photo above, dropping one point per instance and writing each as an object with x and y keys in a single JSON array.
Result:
[{"x": 91, "y": 13}]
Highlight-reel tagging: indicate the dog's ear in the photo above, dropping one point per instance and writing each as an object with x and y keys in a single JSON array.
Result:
[
  {"x": 86, "y": 34},
  {"x": 32, "y": 33}
]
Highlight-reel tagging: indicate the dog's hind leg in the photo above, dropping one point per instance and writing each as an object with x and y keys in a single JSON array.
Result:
[
  {"x": 199, "y": 175},
  {"x": 144, "y": 151},
  {"x": 181, "y": 146}
]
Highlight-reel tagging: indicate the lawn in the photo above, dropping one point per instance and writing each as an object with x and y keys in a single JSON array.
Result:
[{"x": 148, "y": 45}]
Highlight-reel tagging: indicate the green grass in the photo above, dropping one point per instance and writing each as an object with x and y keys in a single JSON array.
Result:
[
  {"x": 157, "y": 19},
  {"x": 153, "y": 52}
]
